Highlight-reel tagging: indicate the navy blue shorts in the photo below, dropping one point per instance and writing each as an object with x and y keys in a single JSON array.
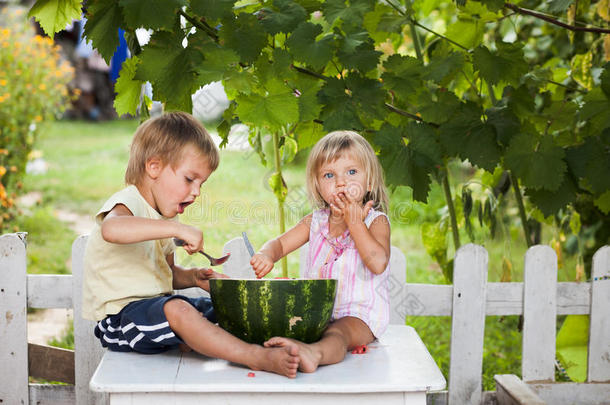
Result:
[{"x": 142, "y": 326}]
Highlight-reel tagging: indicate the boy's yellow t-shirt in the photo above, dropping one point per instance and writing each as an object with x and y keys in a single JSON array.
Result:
[{"x": 117, "y": 274}]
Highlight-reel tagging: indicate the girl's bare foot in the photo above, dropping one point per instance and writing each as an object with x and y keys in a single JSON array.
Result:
[
  {"x": 310, "y": 359},
  {"x": 280, "y": 360}
]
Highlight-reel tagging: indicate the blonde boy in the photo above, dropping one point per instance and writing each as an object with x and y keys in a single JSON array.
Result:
[{"x": 130, "y": 273}]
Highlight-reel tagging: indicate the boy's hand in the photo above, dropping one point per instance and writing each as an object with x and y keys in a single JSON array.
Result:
[
  {"x": 201, "y": 277},
  {"x": 261, "y": 264},
  {"x": 192, "y": 237}
]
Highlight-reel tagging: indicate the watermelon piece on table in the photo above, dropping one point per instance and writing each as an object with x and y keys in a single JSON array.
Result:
[{"x": 257, "y": 310}]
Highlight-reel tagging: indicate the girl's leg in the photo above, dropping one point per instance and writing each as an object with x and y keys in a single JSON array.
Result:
[
  {"x": 211, "y": 340},
  {"x": 342, "y": 335}
]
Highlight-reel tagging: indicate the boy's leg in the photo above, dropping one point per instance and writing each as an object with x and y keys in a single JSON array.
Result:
[
  {"x": 211, "y": 340},
  {"x": 342, "y": 335}
]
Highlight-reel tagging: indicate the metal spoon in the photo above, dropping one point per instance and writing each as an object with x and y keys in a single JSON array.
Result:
[{"x": 213, "y": 260}]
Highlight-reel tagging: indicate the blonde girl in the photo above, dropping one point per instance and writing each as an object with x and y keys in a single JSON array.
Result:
[{"x": 349, "y": 240}]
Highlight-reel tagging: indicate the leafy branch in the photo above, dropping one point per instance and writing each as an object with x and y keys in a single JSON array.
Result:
[{"x": 554, "y": 21}]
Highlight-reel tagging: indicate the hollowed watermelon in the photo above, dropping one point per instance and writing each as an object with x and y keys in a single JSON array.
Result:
[{"x": 256, "y": 310}]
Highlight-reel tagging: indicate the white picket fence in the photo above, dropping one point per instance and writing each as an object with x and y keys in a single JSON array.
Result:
[{"x": 468, "y": 301}]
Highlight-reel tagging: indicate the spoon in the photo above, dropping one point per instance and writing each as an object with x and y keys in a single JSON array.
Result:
[{"x": 213, "y": 260}]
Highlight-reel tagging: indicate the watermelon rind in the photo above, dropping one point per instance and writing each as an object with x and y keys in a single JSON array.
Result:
[{"x": 257, "y": 310}]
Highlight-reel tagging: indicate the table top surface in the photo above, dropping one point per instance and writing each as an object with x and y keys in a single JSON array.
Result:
[{"x": 397, "y": 362}]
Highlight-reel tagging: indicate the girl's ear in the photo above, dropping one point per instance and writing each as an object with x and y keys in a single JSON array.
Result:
[{"x": 154, "y": 165}]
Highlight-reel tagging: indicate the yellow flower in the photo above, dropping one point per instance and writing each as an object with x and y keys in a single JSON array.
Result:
[
  {"x": 38, "y": 118},
  {"x": 42, "y": 86},
  {"x": 4, "y": 152},
  {"x": 2, "y": 171},
  {"x": 13, "y": 169},
  {"x": 6, "y": 32},
  {"x": 2, "y": 82}
]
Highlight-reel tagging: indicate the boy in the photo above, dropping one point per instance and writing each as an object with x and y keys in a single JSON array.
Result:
[{"x": 130, "y": 272}]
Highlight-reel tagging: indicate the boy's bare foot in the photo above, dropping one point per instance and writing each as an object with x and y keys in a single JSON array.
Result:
[
  {"x": 310, "y": 359},
  {"x": 184, "y": 348},
  {"x": 281, "y": 360}
]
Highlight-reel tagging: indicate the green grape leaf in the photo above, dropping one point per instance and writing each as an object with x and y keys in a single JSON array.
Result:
[
  {"x": 493, "y": 5},
  {"x": 171, "y": 69},
  {"x": 308, "y": 133},
  {"x": 213, "y": 9},
  {"x": 440, "y": 110},
  {"x": 309, "y": 107},
  {"x": 581, "y": 69},
  {"x": 352, "y": 14},
  {"x": 104, "y": 18},
  {"x": 303, "y": 45},
  {"x": 310, "y": 5},
  {"x": 550, "y": 202},
  {"x": 217, "y": 63},
  {"x": 444, "y": 67},
  {"x": 244, "y": 35},
  {"x": 595, "y": 111},
  {"x": 424, "y": 140},
  {"x": 338, "y": 111},
  {"x": 402, "y": 75},
  {"x": 519, "y": 100},
  {"x": 505, "y": 122},
  {"x": 284, "y": 17},
  {"x": 538, "y": 162},
  {"x": 128, "y": 90},
  {"x": 278, "y": 186},
  {"x": 367, "y": 95},
  {"x": 402, "y": 164},
  {"x": 591, "y": 161},
  {"x": 55, "y": 15},
  {"x": 605, "y": 79},
  {"x": 239, "y": 82},
  {"x": 153, "y": 14},
  {"x": 559, "y": 6},
  {"x": 504, "y": 65},
  {"x": 357, "y": 51},
  {"x": 467, "y": 137},
  {"x": 276, "y": 108},
  {"x": 288, "y": 150},
  {"x": 603, "y": 202},
  {"x": 467, "y": 32}
]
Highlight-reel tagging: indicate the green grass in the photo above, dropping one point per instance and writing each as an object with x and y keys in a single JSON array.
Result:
[{"x": 87, "y": 163}]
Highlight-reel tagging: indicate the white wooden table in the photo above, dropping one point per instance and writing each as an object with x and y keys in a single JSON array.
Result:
[{"x": 397, "y": 369}]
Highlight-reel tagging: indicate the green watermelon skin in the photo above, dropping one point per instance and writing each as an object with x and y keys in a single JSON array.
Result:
[{"x": 257, "y": 310}]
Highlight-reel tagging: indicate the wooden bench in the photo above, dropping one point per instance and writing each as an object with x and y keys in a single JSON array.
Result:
[
  {"x": 468, "y": 301},
  {"x": 397, "y": 369}
]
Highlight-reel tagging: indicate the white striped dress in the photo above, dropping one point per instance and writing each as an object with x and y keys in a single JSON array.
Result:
[{"x": 360, "y": 292}]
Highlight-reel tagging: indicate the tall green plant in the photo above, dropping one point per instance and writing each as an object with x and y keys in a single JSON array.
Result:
[{"x": 505, "y": 87}]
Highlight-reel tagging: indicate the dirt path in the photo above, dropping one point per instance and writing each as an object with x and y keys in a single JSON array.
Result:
[{"x": 47, "y": 324}]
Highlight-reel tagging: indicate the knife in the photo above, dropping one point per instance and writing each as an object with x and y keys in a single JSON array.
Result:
[{"x": 248, "y": 244}]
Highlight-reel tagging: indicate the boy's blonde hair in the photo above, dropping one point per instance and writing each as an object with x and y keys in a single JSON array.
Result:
[
  {"x": 336, "y": 144},
  {"x": 165, "y": 137}
]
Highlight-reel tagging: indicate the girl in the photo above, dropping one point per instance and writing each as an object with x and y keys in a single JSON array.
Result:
[{"x": 349, "y": 240}]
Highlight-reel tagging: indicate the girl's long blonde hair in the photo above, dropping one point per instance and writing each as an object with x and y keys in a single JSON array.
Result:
[{"x": 334, "y": 145}]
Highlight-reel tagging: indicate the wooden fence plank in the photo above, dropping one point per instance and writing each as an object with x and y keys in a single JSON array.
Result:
[
  {"x": 88, "y": 350},
  {"x": 567, "y": 393},
  {"x": 49, "y": 291},
  {"x": 13, "y": 321},
  {"x": 599, "y": 330},
  {"x": 46, "y": 394},
  {"x": 51, "y": 363},
  {"x": 468, "y": 325},
  {"x": 539, "y": 314}
]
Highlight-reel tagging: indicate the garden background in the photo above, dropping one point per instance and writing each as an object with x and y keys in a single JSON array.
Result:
[{"x": 491, "y": 119}]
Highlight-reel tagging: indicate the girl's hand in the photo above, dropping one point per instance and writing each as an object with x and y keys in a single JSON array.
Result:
[
  {"x": 261, "y": 264},
  {"x": 351, "y": 210},
  {"x": 192, "y": 237}
]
